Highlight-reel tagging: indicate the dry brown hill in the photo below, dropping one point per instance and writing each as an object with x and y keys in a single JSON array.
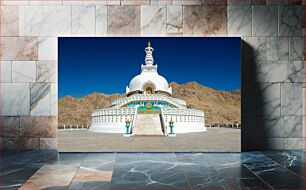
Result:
[
  {"x": 77, "y": 111},
  {"x": 219, "y": 106}
]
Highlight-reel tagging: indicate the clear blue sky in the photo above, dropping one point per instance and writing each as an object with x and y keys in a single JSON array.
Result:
[{"x": 107, "y": 64}]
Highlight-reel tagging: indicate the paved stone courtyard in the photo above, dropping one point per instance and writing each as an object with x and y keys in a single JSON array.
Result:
[{"x": 213, "y": 140}]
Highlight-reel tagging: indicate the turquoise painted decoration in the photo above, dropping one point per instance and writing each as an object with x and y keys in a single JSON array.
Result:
[
  {"x": 127, "y": 125},
  {"x": 171, "y": 127}
]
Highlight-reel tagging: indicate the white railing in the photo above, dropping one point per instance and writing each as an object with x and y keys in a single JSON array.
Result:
[
  {"x": 187, "y": 112},
  {"x": 119, "y": 100},
  {"x": 117, "y": 103},
  {"x": 112, "y": 111},
  {"x": 183, "y": 115},
  {"x": 111, "y": 115}
]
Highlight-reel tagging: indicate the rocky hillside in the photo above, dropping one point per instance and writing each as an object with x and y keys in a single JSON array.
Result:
[
  {"x": 219, "y": 106},
  {"x": 77, "y": 111}
]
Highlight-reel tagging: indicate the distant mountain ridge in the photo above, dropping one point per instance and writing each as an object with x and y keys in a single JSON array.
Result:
[{"x": 219, "y": 106}]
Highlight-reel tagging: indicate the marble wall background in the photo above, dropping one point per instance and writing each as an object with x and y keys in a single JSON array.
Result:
[{"x": 272, "y": 59}]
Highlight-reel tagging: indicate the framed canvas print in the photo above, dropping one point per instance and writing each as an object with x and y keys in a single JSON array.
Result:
[{"x": 138, "y": 94}]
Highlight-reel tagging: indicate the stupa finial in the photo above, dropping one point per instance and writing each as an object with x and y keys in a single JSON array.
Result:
[{"x": 149, "y": 57}]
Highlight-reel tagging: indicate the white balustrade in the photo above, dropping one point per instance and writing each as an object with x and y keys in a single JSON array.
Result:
[{"x": 160, "y": 97}]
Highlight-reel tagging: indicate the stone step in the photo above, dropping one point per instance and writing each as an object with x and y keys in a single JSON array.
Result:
[{"x": 148, "y": 124}]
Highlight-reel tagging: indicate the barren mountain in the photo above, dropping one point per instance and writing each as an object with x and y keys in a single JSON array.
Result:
[
  {"x": 77, "y": 111},
  {"x": 219, "y": 106}
]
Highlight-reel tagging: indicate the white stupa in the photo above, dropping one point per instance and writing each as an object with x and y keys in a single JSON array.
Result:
[{"x": 148, "y": 108}]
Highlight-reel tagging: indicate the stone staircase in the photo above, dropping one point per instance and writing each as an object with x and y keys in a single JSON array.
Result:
[{"x": 148, "y": 124}]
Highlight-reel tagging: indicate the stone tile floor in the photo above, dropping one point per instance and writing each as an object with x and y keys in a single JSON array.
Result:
[{"x": 248, "y": 170}]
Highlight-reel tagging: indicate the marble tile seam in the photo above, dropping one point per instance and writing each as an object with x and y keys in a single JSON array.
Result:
[
  {"x": 277, "y": 164},
  {"x": 284, "y": 166},
  {"x": 243, "y": 165},
  {"x": 77, "y": 170},
  {"x": 184, "y": 172}
]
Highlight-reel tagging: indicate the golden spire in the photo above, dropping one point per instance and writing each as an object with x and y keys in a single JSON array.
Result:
[{"x": 149, "y": 44}]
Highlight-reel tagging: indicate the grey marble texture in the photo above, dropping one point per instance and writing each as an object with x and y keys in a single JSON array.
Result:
[
  {"x": 258, "y": 46},
  {"x": 265, "y": 19},
  {"x": 212, "y": 172},
  {"x": 77, "y": 185},
  {"x": 239, "y": 20},
  {"x": 47, "y": 20},
  {"x": 272, "y": 71},
  {"x": 46, "y": 2},
  {"x": 153, "y": 20},
  {"x": 17, "y": 2},
  {"x": 104, "y": 2},
  {"x": 274, "y": 127},
  {"x": 257, "y": 127},
  {"x": 279, "y": 71},
  {"x": 290, "y": 20},
  {"x": 46, "y": 71},
  {"x": 292, "y": 160},
  {"x": 264, "y": 99},
  {"x": 101, "y": 20},
  {"x": 40, "y": 99},
  {"x": 278, "y": 48},
  {"x": 83, "y": 20},
  {"x": 23, "y": 71},
  {"x": 293, "y": 127},
  {"x": 161, "y": 2},
  {"x": 15, "y": 99},
  {"x": 292, "y": 99},
  {"x": 135, "y": 2},
  {"x": 294, "y": 143},
  {"x": 175, "y": 20},
  {"x": 251, "y": 170},
  {"x": 189, "y": 2},
  {"x": 295, "y": 71},
  {"x": 47, "y": 48},
  {"x": 145, "y": 171},
  {"x": 265, "y": 167},
  {"x": 6, "y": 71},
  {"x": 296, "y": 45}
]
